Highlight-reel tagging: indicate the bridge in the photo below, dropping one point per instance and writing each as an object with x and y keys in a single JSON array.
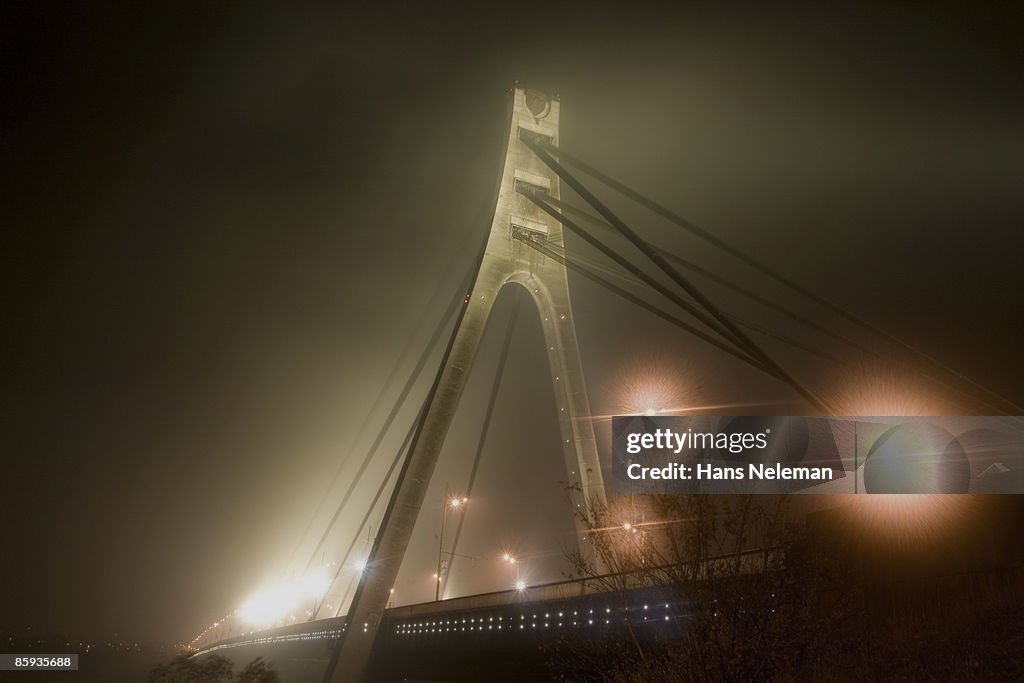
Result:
[
  {"x": 499, "y": 636},
  {"x": 353, "y": 630}
]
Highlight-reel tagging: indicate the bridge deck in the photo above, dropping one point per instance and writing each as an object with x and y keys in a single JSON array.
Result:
[{"x": 494, "y": 636}]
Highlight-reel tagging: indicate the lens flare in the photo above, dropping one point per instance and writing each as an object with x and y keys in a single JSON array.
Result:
[
  {"x": 916, "y": 458},
  {"x": 899, "y": 520}
]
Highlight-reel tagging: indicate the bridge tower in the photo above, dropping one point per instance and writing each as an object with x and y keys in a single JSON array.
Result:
[{"x": 505, "y": 261}]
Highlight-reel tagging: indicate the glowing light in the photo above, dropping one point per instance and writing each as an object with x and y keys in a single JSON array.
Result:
[
  {"x": 905, "y": 520},
  {"x": 520, "y": 585},
  {"x": 274, "y": 603},
  {"x": 884, "y": 392},
  {"x": 627, "y": 526},
  {"x": 653, "y": 386},
  {"x": 313, "y": 585}
]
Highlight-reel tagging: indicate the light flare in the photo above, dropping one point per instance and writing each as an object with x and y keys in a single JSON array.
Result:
[
  {"x": 282, "y": 598},
  {"x": 654, "y": 385}
]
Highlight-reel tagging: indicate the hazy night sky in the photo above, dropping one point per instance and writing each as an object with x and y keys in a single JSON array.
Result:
[{"x": 221, "y": 224}]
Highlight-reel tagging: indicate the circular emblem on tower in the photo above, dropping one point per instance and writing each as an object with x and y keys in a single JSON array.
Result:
[{"x": 538, "y": 103}]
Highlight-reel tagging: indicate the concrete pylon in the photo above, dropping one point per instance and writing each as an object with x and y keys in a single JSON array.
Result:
[{"x": 506, "y": 261}]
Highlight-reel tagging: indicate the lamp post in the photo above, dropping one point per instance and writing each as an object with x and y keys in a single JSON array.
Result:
[{"x": 449, "y": 502}]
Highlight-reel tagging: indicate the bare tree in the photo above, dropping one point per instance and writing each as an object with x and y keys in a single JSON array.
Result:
[
  {"x": 769, "y": 596},
  {"x": 740, "y": 563}
]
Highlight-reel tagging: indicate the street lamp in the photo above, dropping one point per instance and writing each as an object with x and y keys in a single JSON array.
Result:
[
  {"x": 510, "y": 559},
  {"x": 449, "y": 502}
]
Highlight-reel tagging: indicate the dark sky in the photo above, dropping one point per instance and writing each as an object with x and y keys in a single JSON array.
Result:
[{"x": 221, "y": 224}]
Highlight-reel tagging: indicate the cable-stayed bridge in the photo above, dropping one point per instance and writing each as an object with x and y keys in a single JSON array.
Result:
[{"x": 354, "y": 629}]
